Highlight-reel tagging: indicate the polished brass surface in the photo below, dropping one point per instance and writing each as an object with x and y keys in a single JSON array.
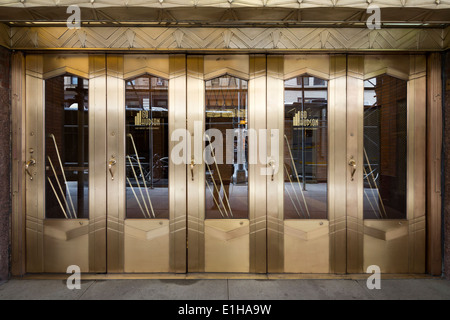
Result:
[
  {"x": 434, "y": 150},
  {"x": 210, "y": 40},
  {"x": 195, "y": 187},
  {"x": 19, "y": 156},
  {"x": 177, "y": 172},
  {"x": 98, "y": 178},
  {"x": 266, "y": 241},
  {"x": 150, "y": 245},
  {"x": 397, "y": 246},
  {"x": 338, "y": 157}
]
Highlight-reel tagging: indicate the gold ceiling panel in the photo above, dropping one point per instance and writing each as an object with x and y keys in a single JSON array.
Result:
[{"x": 250, "y": 39}]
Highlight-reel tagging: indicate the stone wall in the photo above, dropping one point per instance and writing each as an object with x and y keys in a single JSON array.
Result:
[{"x": 5, "y": 163}]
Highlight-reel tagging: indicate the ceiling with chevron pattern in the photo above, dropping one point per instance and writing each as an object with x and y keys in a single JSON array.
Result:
[
  {"x": 430, "y": 4},
  {"x": 226, "y": 13}
]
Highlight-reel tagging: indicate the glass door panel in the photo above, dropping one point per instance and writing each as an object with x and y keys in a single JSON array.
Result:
[
  {"x": 306, "y": 148},
  {"x": 147, "y": 148},
  {"x": 226, "y": 161}
]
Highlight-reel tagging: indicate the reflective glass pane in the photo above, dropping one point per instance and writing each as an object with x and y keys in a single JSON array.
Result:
[
  {"x": 305, "y": 148},
  {"x": 66, "y": 147},
  {"x": 226, "y": 167},
  {"x": 147, "y": 148},
  {"x": 385, "y": 123}
]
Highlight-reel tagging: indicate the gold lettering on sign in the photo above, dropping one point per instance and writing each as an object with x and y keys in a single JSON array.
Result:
[
  {"x": 142, "y": 119},
  {"x": 301, "y": 120}
]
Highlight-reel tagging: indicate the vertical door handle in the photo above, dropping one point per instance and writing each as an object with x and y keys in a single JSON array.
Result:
[
  {"x": 272, "y": 165},
  {"x": 352, "y": 163},
  {"x": 192, "y": 165},
  {"x": 29, "y": 163},
  {"x": 111, "y": 163}
]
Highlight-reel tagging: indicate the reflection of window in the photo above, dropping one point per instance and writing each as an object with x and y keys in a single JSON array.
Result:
[
  {"x": 147, "y": 148},
  {"x": 226, "y": 179},
  {"x": 306, "y": 148},
  {"x": 385, "y": 132},
  {"x": 67, "y": 147}
]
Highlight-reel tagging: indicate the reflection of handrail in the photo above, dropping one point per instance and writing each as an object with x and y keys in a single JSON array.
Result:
[
  {"x": 51, "y": 135},
  {"x": 142, "y": 173},
  {"x": 59, "y": 185},
  {"x": 220, "y": 177},
  {"x": 139, "y": 186},
  {"x": 137, "y": 199},
  {"x": 289, "y": 194},
  {"x": 374, "y": 181},
  {"x": 57, "y": 198},
  {"x": 296, "y": 174}
]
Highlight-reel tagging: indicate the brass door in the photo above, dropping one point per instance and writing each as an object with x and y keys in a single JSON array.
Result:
[
  {"x": 306, "y": 198},
  {"x": 65, "y": 177},
  {"x": 146, "y": 99},
  {"x": 226, "y": 193},
  {"x": 386, "y": 132},
  {"x": 350, "y": 188}
]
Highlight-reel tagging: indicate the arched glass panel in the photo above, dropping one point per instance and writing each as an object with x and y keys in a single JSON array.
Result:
[
  {"x": 67, "y": 147},
  {"x": 147, "y": 147},
  {"x": 385, "y": 127},
  {"x": 305, "y": 148}
]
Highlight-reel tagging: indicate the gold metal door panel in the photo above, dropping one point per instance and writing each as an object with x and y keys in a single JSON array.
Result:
[
  {"x": 227, "y": 245},
  {"x": 66, "y": 243},
  {"x": 54, "y": 244},
  {"x": 146, "y": 245},
  {"x": 396, "y": 245},
  {"x": 307, "y": 246}
]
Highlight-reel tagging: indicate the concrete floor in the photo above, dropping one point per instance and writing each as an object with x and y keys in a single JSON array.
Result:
[{"x": 422, "y": 289}]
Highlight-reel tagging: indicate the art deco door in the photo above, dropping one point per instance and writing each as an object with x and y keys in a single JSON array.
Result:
[
  {"x": 146, "y": 186},
  {"x": 350, "y": 189},
  {"x": 226, "y": 192},
  {"x": 65, "y": 177},
  {"x": 386, "y": 132},
  {"x": 306, "y": 197}
]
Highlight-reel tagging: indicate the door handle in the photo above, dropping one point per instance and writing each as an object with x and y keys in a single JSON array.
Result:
[
  {"x": 29, "y": 163},
  {"x": 192, "y": 165},
  {"x": 352, "y": 163},
  {"x": 272, "y": 164},
  {"x": 111, "y": 163}
]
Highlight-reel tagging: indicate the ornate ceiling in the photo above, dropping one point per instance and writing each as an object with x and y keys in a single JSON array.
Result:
[
  {"x": 294, "y": 4},
  {"x": 227, "y": 13}
]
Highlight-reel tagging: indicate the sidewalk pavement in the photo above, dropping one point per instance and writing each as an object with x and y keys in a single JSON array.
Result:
[{"x": 186, "y": 289}]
